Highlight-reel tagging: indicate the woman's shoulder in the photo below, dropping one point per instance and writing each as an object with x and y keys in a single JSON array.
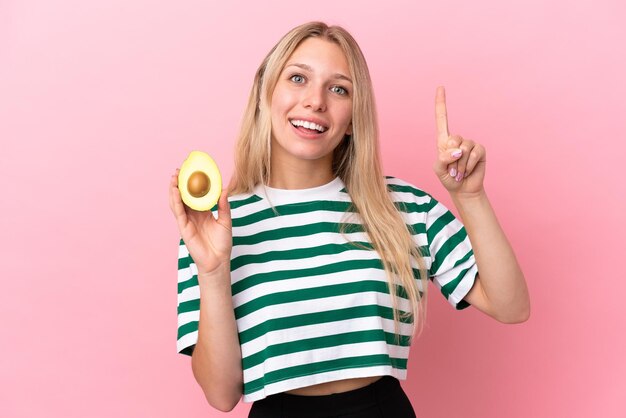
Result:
[
  {"x": 412, "y": 200},
  {"x": 232, "y": 198},
  {"x": 404, "y": 188}
]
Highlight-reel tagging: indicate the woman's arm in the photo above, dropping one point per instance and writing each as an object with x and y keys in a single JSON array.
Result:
[
  {"x": 216, "y": 359},
  {"x": 500, "y": 288}
]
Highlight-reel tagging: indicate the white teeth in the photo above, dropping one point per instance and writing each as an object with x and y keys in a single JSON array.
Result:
[{"x": 308, "y": 125}]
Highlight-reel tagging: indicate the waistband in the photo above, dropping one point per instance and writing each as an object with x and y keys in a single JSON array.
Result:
[{"x": 336, "y": 403}]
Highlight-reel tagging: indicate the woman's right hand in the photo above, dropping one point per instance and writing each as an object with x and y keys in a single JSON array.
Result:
[{"x": 209, "y": 240}]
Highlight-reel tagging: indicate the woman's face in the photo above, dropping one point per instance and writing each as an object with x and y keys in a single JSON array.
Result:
[{"x": 311, "y": 105}]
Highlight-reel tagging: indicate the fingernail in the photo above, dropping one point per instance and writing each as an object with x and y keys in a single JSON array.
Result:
[
  {"x": 457, "y": 154},
  {"x": 459, "y": 177},
  {"x": 453, "y": 172}
]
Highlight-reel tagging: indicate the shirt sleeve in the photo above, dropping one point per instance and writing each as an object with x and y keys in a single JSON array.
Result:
[
  {"x": 453, "y": 266},
  {"x": 188, "y": 302}
]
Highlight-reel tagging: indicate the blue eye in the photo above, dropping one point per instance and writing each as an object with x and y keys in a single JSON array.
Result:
[
  {"x": 339, "y": 90},
  {"x": 297, "y": 78}
]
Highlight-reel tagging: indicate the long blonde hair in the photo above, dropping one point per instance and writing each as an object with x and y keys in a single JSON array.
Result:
[{"x": 356, "y": 161}]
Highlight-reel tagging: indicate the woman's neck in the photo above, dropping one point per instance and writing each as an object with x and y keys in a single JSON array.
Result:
[
  {"x": 303, "y": 181},
  {"x": 300, "y": 174}
]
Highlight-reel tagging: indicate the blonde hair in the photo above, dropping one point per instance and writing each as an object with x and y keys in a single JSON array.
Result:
[{"x": 356, "y": 161}]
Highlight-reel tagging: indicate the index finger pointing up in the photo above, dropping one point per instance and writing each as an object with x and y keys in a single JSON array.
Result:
[{"x": 442, "y": 118}]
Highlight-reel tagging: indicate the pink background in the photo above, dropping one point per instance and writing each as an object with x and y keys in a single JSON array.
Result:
[{"x": 100, "y": 101}]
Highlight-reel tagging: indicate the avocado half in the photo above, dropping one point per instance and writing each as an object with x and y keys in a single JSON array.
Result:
[{"x": 199, "y": 181}]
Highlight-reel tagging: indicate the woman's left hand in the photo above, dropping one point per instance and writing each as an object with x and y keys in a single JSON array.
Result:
[{"x": 461, "y": 162}]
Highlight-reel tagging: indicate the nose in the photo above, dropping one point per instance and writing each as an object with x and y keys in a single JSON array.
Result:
[{"x": 315, "y": 98}]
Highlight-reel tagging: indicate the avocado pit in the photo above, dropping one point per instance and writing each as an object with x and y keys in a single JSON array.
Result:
[{"x": 198, "y": 184}]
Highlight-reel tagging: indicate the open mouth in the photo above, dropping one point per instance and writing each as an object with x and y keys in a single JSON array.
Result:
[{"x": 309, "y": 127}]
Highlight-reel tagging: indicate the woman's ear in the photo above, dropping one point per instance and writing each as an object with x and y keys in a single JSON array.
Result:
[{"x": 349, "y": 129}]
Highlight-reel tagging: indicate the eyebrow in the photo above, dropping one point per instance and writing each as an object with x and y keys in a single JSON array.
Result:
[{"x": 309, "y": 68}]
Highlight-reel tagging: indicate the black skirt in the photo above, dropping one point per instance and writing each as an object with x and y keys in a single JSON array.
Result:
[{"x": 381, "y": 399}]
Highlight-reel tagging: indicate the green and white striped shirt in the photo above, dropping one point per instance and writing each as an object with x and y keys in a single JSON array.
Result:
[{"x": 311, "y": 307}]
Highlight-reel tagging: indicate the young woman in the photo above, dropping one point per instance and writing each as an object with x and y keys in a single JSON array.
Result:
[{"x": 304, "y": 292}]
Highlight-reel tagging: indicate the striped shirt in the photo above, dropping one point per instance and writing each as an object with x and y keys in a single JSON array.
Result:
[{"x": 310, "y": 305}]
